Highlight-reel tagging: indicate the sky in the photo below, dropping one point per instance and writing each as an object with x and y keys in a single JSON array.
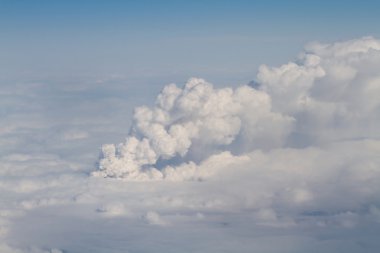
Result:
[
  {"x": 189, "y": 126},
  {"x": 166, "y": 39}
]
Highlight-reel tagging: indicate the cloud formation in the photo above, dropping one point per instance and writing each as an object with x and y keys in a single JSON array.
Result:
[
  {"x": 330, "y": 94},
  {"x": 293, "y": 157},
  {"x": 190, "y": 124}
]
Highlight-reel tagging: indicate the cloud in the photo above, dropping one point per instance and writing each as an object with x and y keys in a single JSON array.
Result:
[
  {"x": 190, "y": 124},
  {"x": 113, "y": 209},
  {"x": 4, "y": 248},
  {"x": 283, "y": 152},
  {"x": 293, "y": 157},
  {"x": 154, "y": 218},
  {"x": 74, "y": 135},
  {"x": 329, "y": 94}
]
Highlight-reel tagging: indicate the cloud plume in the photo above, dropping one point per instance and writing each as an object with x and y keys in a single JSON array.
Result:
[
  {"x": 192, "y": 123},
  {"x": 329, "y": 94}
]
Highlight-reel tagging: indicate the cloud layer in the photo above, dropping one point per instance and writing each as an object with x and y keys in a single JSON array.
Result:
[{"x": 292, "y": 157}]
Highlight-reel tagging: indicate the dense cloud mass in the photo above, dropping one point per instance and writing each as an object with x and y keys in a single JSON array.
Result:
[
  {"x": 191, "y": 124},
  {"x": 330, "y": 94},
  {"x": 291, "y": 158}
]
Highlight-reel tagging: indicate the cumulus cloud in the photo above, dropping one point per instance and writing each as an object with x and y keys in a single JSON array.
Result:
[
  {"x": 331, "y": 93},
  {"x": 190, "y": 124}
]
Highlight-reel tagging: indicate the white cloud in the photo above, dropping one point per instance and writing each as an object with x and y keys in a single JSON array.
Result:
[
  {"x": 74, "y": 135},
  {"x": 113, "y": 209},
  {"x": 4, "y": 248},
  {"x": 330, "y": 94},
  {"x": 191, "y": 124},
  {"x": 154, "y": 218},
  {"x": 293, "y": 159}
]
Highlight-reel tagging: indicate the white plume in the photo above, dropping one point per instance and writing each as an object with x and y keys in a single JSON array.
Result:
[
  {"x": 330, "y": 93},
  {"x": 192, "y": 123}
]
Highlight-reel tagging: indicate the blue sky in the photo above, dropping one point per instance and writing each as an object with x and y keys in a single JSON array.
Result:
[{"x": 220, "y": 40}]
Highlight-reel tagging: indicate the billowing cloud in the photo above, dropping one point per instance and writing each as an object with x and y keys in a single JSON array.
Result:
[
  {"x": 190, "y": 124},
  {"x": 330, "y": 94}
]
